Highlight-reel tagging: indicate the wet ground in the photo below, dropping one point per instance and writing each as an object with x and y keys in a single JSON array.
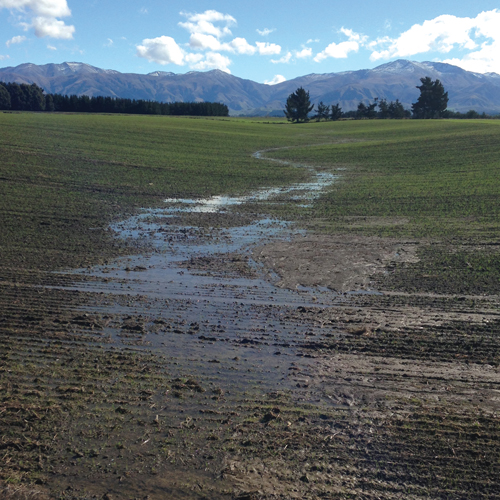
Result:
[{"x": 238, "y": 356}]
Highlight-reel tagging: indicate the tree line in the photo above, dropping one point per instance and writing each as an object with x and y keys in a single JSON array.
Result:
[
  {"x": 24, "y": 97},
  {"x": 432, "y": 103}
]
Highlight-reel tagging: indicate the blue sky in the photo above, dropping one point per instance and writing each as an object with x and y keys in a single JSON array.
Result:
[{"x": 263, "y": 40}]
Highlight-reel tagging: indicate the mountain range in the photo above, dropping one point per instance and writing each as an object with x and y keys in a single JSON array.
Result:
[{"x": 394, "y": 80}]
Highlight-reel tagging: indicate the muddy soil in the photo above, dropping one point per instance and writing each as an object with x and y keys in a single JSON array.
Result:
[
  {"x": 341, "y": 263},
  {"x": 238, "y": 356}
]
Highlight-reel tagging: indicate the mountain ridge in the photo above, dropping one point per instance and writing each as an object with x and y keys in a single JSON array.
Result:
[{"x": 394, "y": 80}]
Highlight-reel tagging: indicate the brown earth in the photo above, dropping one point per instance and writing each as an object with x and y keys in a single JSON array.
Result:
[
  {"x": 114, "y": 385},
  {"x": 342, "y": 263}
]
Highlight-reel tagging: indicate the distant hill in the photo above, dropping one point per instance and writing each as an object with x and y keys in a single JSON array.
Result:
[{"x": 394, "y": 80}]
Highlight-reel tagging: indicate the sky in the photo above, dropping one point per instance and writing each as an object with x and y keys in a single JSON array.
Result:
[{"x": 267, "y": 41}]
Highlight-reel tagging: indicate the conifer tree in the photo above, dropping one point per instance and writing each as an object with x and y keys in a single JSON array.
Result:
[
  {"x": 432, "y": 101},
  {"x": 298, "y": 106},
  {"x": 322, "y": 111}
]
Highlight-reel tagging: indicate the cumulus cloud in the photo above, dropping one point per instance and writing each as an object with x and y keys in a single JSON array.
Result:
[
  {"x": 341, "y": 50},
  {"x": 305, "y": 52},
  {"x": 14, "y": 40},
  {"x": 204, "y": 42},
  {"x": 53, "y": 28},
  {"x": 268, "y": 49},
  {"x": 162, "y": 50},
  {"x": 213, "y": 60},
  {"x": 283, "y": 60},
  {"x": 241, "y": 46},
  {"x": 337, "y": 50},
  {"x": 45, "y": 8},
  {"x": 479, "y": 36},
  {"x": 264, "y": 32},
  {"x": 353, "y": 36},
  {"x": 484, "y": 60},
  {"x": 205, "y": 23},
  {"x": 42, "y": 16},
  {"x": 275, "y": 80},
  {"x": 209, "y": 33}
]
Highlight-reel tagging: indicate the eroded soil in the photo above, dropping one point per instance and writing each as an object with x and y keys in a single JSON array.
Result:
[{"x": 240, "y": 357}]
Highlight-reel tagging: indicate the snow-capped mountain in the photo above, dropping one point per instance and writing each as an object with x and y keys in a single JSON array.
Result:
[{"x": 394, "y": 80}]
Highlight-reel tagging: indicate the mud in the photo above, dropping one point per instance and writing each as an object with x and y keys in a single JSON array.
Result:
[
  {"x": 341, "y": 263},
  {"x": 237, "y": 356}
]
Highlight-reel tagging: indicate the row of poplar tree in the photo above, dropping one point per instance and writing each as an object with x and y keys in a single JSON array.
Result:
[{"x": 24, "y": 97}]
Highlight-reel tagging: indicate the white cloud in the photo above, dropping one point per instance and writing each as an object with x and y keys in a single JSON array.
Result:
[
  {"x": 193, "y": 58},
  {"x": 204, "y": 42},
  {"x": 53, "y": 28},
  {"x": 305, "y": 52},
  {"x": 165, "y": 50},
  {"x": 353, "y": 36},
  {"x": 42, "y": 16},
  {"x": 45, "y": 8},
  {"x": 109, "y": 43},
  {"x": 51, "y": 47},
  {"x": 268, "y": 49},
  {"x": 477, "y": 38},
  {"x": 3, "y": 57},
  {"x": 265, "y": 31},
  {"x": 212, "y": 60},
  {"x": 241, "y": 46},
  {"x": 337, "y": 50},
  {"x": 283, "y": 60},
  {"x": 143, "y": 10},
  {"x": 341, "y": 50},
  {"x": 487, "y": 56},
  {"x": 204, "y": 23},
  {"x": 311, "y": 40},
  {"x": 275, "y": 80},
  {"x": 14, "y": 40},
  {"x": 442, "y": 34},
  {"x": 484, "y": 60},
  {"x": 162, "y": 50}
]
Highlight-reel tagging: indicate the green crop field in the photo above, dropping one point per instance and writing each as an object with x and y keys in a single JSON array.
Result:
[
  {"x": 123, "y": 382},
  {"x": 65, "y": 174},
  {"x": 441, "y": 175}
]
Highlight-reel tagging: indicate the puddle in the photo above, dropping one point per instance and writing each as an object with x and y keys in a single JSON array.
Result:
[
  {"x": 305, "y": 191},
  {"x": 239, "y": 316}
]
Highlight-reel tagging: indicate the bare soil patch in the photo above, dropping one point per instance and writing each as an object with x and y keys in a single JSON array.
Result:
[{"x": 342, "y": 263}]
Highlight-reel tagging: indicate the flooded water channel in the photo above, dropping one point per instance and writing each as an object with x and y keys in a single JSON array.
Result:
[{"x": 201, "y": 299}]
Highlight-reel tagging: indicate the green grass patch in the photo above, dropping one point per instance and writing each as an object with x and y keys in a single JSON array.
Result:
[
  {"x": 63, "y": 177},
  {"x": 442, "y": 176}
]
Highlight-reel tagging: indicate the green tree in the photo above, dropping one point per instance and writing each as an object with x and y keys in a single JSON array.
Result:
[
  {"x": 432, "y": 101},
  {"x": 4, "y": 98},
  {"x": 393, "y": 110},
  {"x": 322, "y": 111},
  {"x": 384, "y": 111},
  {"x": 336, "y": 112},
  {"x": 17, "y": 96},
  {"x": 397, "y": 111},
  {"x": 49, "y": 103},
  {"x": 298, "y": 106},
  {"x": 35, "y": 97},
  {"x": 365, "y": 111}
]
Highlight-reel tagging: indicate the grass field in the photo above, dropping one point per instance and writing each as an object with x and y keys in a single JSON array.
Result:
[
  {"x": 89, "y": 409},
  {"x": 65, "y": 174}
]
